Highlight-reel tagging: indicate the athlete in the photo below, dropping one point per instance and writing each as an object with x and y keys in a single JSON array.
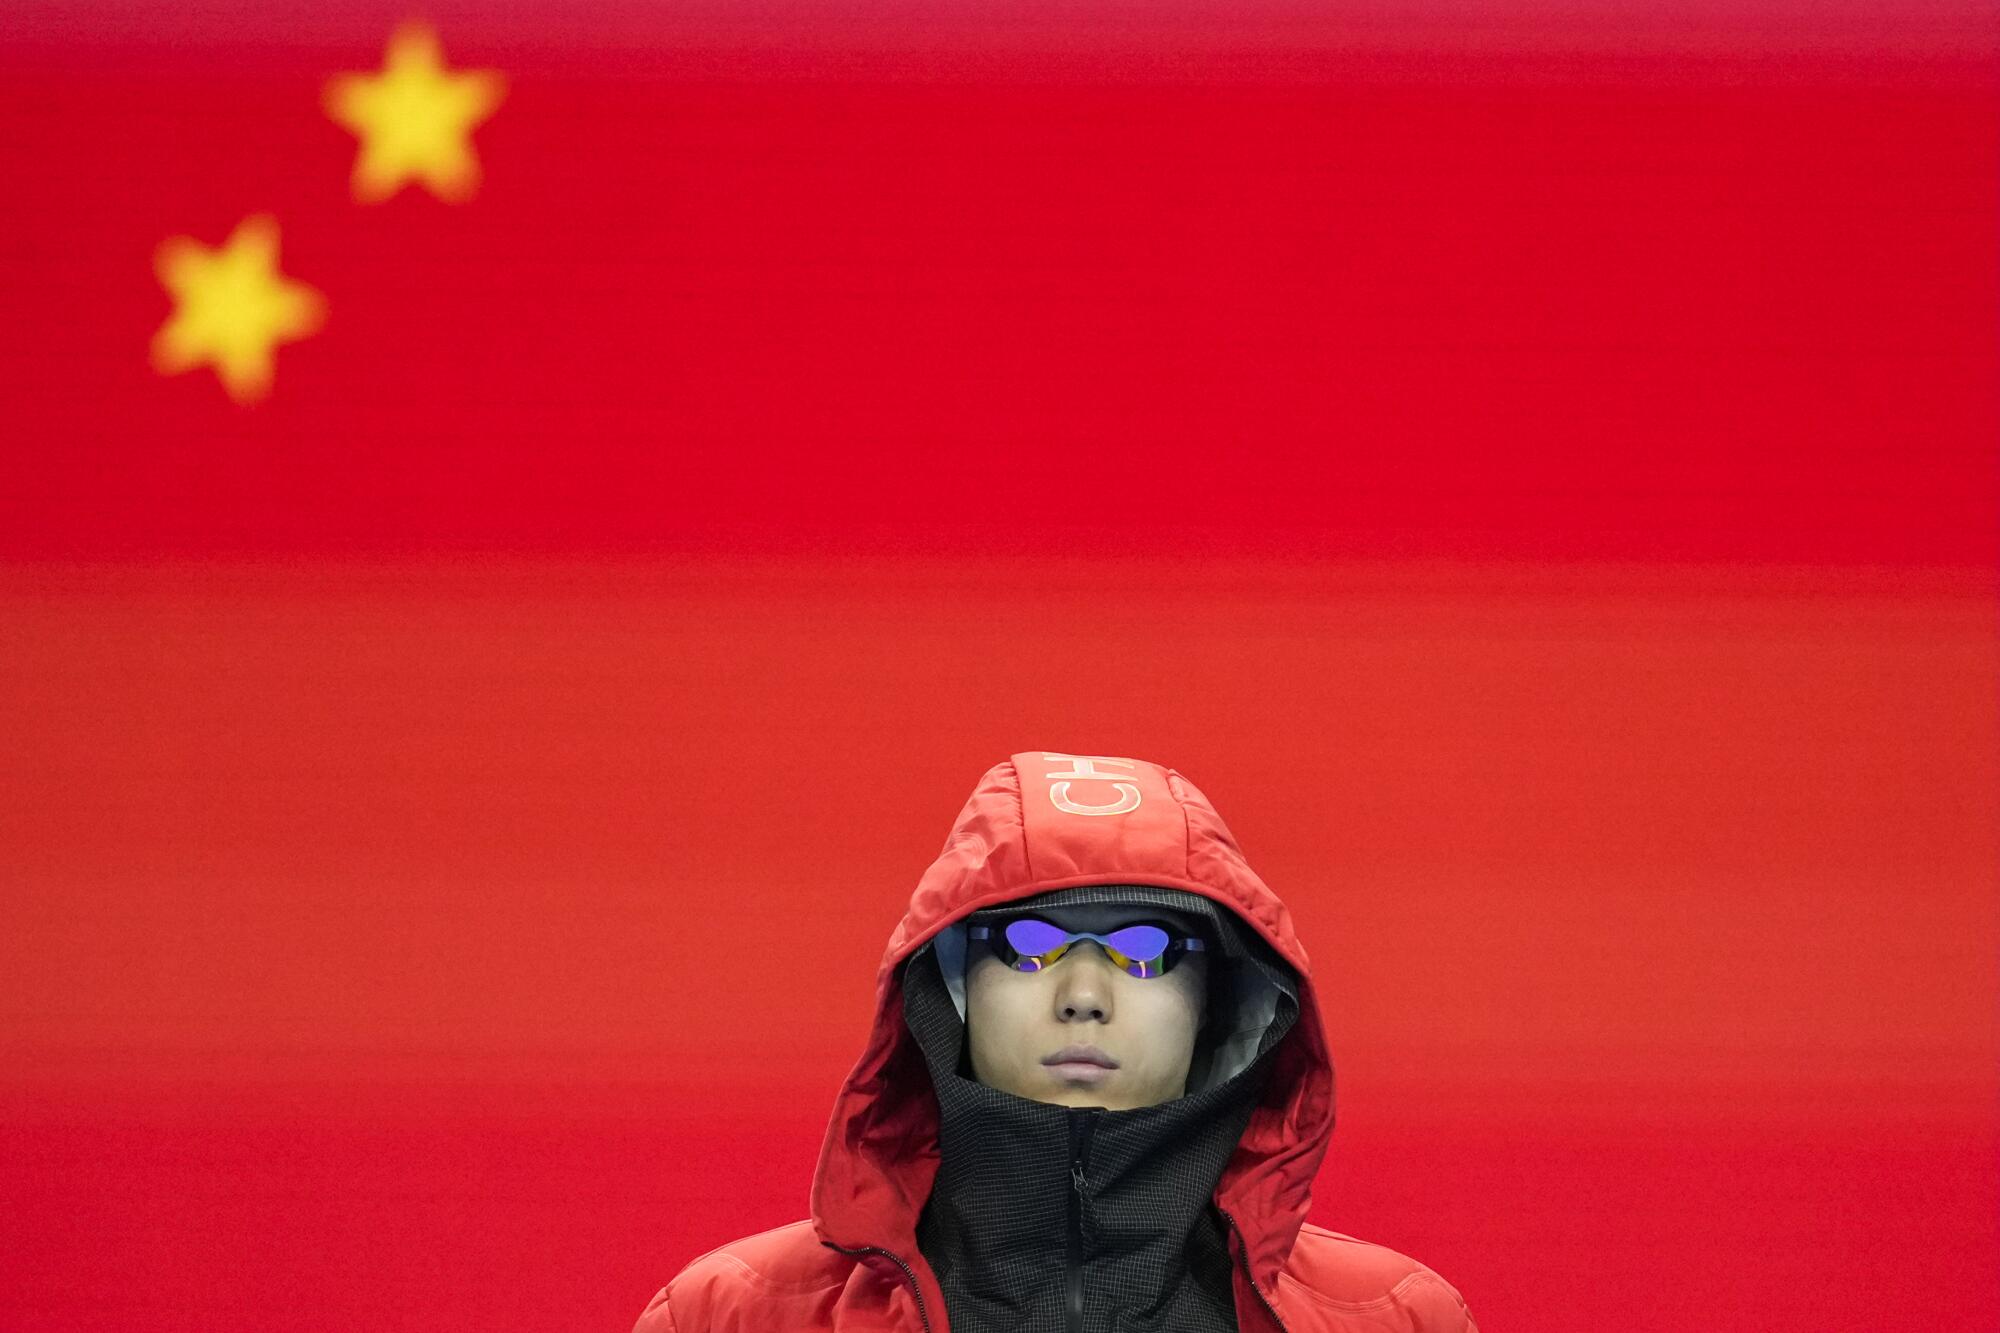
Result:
[{"x": 1093, "y": 1100}]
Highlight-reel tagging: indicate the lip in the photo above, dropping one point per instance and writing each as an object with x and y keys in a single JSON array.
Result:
[
  {"x": 1079, "y": 1073},
  {"x": 1079, "y": 1057}
]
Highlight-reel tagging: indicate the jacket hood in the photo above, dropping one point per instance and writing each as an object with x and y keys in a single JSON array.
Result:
[{"x": 1043, "y": 821}]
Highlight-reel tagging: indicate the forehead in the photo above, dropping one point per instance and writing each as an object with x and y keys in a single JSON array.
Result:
[{"x": 1104, "y": 917}]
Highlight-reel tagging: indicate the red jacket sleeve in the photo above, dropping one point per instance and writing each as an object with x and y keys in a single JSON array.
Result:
[
  {"x": 656, "y": 1318},
  {"x": 1436, "y": 1307}
]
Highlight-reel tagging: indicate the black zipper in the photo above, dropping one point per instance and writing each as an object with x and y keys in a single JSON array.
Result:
[
  {"x": 922, "y": 1313},
  {"x": 1082, "y": 1120},
  {"x": 1243, "y": 1252}
]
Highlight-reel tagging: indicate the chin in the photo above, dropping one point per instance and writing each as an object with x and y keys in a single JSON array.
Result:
[
  {"x": 1074, "y": 1097},
  {"x": 1099, "y": 1097}
]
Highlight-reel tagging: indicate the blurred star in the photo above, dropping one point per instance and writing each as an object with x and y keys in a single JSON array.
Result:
[
  {"x": 414, "y": 119},
  {"x": 231, "y": 307}
]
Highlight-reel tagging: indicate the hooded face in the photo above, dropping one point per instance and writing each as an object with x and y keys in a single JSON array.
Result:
[{"x": 1142, "y": 1029}]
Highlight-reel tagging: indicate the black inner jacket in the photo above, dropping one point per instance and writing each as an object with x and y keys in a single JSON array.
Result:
[{"x": 1057, "y": 1219}]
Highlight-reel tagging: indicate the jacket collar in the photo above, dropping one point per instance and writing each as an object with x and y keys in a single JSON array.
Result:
[{"x": 1030, "y": 1195}]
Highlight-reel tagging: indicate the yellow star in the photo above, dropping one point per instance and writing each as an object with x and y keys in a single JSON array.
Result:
[
  {"x": 414, "y": 119},
  {"x": 231, "y": 307}
]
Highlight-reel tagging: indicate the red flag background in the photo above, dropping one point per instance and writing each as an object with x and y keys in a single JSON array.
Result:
[{"x": 1534, "y": 467}]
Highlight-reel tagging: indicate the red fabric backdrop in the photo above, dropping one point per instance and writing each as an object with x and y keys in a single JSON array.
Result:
[{"x": 1534, "y": 469}]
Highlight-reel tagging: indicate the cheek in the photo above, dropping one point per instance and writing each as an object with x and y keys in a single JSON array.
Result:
[
  {"x": 996, "y": 1014},
  {"x": 1177, "y": 1011}
]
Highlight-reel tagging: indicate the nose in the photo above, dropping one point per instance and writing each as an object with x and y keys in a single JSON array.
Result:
[{"x": 1083, "y": 985}]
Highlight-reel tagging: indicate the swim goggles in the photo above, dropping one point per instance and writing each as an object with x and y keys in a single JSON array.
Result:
[{"x": 1029, "y": 944}]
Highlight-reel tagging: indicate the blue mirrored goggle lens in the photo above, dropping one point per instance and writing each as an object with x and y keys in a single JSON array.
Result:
[
  {"x": 1139, "y": 950},
  {"x": 1035, "y": 938}
]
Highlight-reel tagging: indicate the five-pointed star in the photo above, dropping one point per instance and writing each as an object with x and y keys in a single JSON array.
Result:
[
  {"x": 231, "y": 307},
  {"x": 414, "y": 119}
]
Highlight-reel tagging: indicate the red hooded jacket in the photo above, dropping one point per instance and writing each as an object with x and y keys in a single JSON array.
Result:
[{"x": 1036, "y": 822}]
